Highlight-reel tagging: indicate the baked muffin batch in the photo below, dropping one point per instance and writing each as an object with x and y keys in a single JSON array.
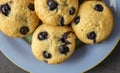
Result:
[{"x": 53, "y": 40}]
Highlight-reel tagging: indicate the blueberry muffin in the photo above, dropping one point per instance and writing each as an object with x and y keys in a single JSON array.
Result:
[
  {"x": 53, "y": 44},
  {"x": 94, "y": 22},
  {"x": 17, "y": 17},
  {"x": 56, "y": 12}
]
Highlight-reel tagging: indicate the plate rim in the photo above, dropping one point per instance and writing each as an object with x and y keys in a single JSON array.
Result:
[{"x": 81, "y": 72}]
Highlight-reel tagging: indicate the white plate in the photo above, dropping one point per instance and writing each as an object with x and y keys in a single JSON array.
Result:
[{"x": 84, "y": 58}]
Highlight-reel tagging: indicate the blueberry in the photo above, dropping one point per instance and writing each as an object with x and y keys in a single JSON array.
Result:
[
  {"x": 98, "y": 7},
  {"x": 62, "y": 21},
  {"x": 31, "y": 7},
  {"x": 92, "y": 36},
  {"x": 43, "y": 35},
  {"x": 72, "y": 11},
  {"x": 64, "y": 38},
  {"x": 5, "y": 9},
  {"x": 64, "y": 41},
  {"x": 64, "y": 49},
  {"x": 24, "y": 30},
  {"x": 47, "y": 55},
  {"x": 65, "y": 35},
  {"x": 52, "y": 4},
  {"x": 77, "y": 19}
]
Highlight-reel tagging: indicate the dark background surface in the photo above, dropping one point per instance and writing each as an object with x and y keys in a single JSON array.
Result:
[{"x": 110, "y": 65}]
